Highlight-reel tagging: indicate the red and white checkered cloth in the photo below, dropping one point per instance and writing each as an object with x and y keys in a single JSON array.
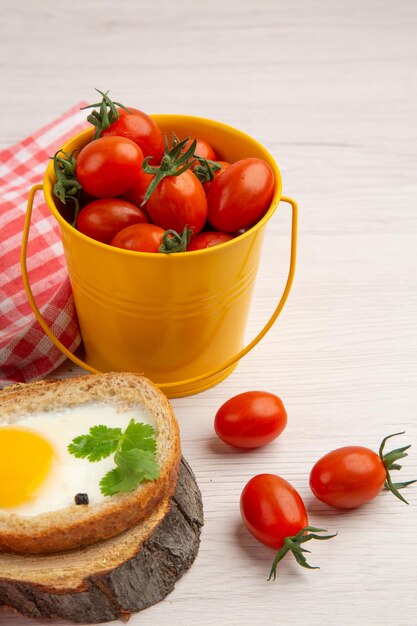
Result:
[{"x": 25, "y": 351}]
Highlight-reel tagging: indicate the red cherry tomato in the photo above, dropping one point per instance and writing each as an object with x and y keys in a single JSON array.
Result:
[
  {"x": 139, "y": 237},
  {"x": 348, "y": 477},
  {"x": 208, "y": 240},
  {"x": 241, "y": 195},
  {"x": 103, "y": 219},
  {"x": 224, "y": 165},
  {"x": 141, "y": 129},
  {"x": 203, "y": 149},
  {"x": 108, "y": 166},
  {"x": 250, "y": 419},
  {"x": 178, "y": 201},
  {"x": 272, "y": 509},
  {"x": 137, "y": 193}
]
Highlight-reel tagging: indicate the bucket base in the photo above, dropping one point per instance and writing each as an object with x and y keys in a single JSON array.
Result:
[
  {"x": 189, "y": 390},
  {"x": 180, "y": 390}
]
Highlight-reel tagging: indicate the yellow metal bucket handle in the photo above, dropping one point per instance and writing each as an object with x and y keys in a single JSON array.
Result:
[{"x": 163, "y": 386}]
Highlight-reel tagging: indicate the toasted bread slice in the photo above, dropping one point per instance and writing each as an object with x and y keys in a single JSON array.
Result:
[{"x": 78, "y": 526}]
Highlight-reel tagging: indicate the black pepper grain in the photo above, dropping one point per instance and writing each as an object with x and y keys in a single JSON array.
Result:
[{"x": 81, "y": 498}]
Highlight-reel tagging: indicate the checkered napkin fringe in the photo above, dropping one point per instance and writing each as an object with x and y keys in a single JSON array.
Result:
[{"x": 25, "y": 351}]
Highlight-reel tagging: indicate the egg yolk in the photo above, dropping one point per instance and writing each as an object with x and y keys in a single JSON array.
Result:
[{"x": 25, "y": 460}]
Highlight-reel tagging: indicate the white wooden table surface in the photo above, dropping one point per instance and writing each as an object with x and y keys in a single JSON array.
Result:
[{"x": 330, "y": 88}]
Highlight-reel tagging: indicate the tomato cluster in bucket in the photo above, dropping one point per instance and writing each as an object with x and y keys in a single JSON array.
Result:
[{"x": 134, "y": 188}]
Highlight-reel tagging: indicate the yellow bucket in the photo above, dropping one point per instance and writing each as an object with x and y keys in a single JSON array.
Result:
[{"x": 179, "y": 318}]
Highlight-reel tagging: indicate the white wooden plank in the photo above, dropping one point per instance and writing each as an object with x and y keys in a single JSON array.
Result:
[{"x": 330, "y": 88}]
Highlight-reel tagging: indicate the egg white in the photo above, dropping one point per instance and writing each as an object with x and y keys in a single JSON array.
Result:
[{"x": 69, "y": 475}]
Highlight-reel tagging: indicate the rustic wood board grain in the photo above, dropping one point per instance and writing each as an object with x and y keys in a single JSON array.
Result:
[
  {"x": 146, "y": 574},
  {"x": 330, "y": 87}
]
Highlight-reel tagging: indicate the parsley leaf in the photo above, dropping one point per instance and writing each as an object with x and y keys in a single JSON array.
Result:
[
  {"x": 138, "y": 435},
  {"x": 133, "y": 467},
  {"x": 100, "y": 443},
  {"x": 135, "y": 454}
]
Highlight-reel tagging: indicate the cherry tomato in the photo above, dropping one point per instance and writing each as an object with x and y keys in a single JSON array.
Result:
[
  {"x": 272, "y": 509},
  {"x": 348, "y": 477},
  {"x": 203, "y": 149},
  {"x": 224, "y": 165},
  {"x": 141, "y": 129},
  {"x": 178, "y": 201},
  {"x": 108, "y": 166},
  {"x": 241, "y": 195},
  {"x": 250, "y": 419},
  {"x": 208, "y": 240},
  {"x": 137, "y": 193},
  {"x": 139, "y": 237},
  {"x": 103, "y": 219}
]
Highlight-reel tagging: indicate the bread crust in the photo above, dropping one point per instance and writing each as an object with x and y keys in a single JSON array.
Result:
[{"x": 78, "y": 526}]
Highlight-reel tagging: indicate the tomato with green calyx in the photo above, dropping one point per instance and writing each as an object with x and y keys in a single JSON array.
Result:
[
  {"x": 175, "y": 198},
  {"x": 67, "y": 188},
  {"x": 108, "y": 166},
  {"x": 223, "y": 167},
  {"x": 241, "y": 195},
  {"x": 103, "y": 219},
  {"x": 139, "y": 237},
  {"x": 151, "y": 238},
  {"x": 275, "y": 514},
  {"x": 136, "y": 194},
  {"x": 178, "y": 202},
  {"x": 353, "y": 475},
  {"x": 202, "y": 149},
  {"x": 115, "y": 120},
  {"x": 250, "y": 419},
  {"x": 208, "y": 240}
]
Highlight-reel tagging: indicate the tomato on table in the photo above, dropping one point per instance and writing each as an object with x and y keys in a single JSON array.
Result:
[
  {"x": 272, "y": 509},
  {"x": 250, "y": 419},
  {"x": 139, "y": 237},
  {"x": 208, "y": 240},
  {"x": 108, "y": 166},
  {"x": 102, "y": 219},
  {"x": 241, "y": 195},
  {"x": 353, "y": 475},
  {"x": 274, "y": 513}
]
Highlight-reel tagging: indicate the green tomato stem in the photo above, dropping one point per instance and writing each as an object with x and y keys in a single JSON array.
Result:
[
  {"x": 293, "y": 544},
  {"x": 390, "y": 462}
]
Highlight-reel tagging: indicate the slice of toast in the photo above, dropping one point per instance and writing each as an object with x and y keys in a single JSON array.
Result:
[{"x": 78, "y": 526}]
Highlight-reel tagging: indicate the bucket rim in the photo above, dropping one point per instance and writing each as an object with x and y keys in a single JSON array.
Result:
[{"x": 50, "y": 200}]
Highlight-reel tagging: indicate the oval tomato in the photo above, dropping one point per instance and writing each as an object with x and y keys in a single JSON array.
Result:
[
  {"x": 272, "y": 509},
  {"x": 273, "y": 512},
  {"x": 203, "y": 149},
  {"x": 241, "y": 195},
  {"x": 223, "y": 166},
  {"x": 348, "y": 477},
  {"x": 141, "y": 129},
  {"x": 108, "y": 166},
  {"x": 208, "y": 240},
  {"x": 351, "y": 476},
  {"x": 177, "y": 202},
  {"x": 103, "y": 219},
  {"x": 139, "y": 237},
  {"x": 137, "y": 193},
  {"x": 250, "y": 419}
]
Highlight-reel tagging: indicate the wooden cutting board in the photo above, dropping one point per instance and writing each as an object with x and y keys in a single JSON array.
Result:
[{"x": 114, "y": 578}]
